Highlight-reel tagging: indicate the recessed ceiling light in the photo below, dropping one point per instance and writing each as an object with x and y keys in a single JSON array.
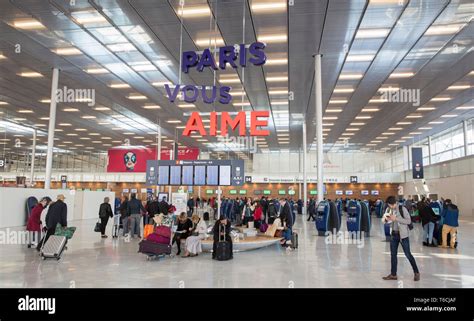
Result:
[
  {"x": 276, "y": 78},
  {"x": 449, "y": 116},
  {"x": 45, "y": 101},
  {"x": 333, "y": 110},
  {"x": 70, "y": 51},
  {"x": 119, "y": 86},
  {"x": 347, "y": 134},
  {"x": 95, "y": 71},
  {"x": 426, "y": 108},
  {"x": 378, "y": 100},
  {"x": 30, "y": 74},
  {"x": 330, "y": 118},
  {"x": 352, "y": 129},
  {"x": 72, "y": 134},
  {"x": 84, "y": 138},
  {"x": 404, "y": 123},
  {"x": 276, "y": 61},
  {"x": 277, "y": 92},
  {"x": 263, "y": 7},
  {"x": 25, "y": 111},
  {"x": 186, "y": 105},
  {"x": 44, "y": 118},
  {"x": 359, "y": 58},
  {"x": 272, "y": 38},
  {"x": 328, "y": 124},
  {"x": 28, "y": 24},
  {"x": 152, "y": 107},
  {"x": 338, "y": 101},
  {"x": 370, "y": 144},
  {"x": 80, "y": 129},
  {"x": 3, "y": 103},
  {"x": 435, "y": 122},
  {"x": 350, "y": 76},
  {"x": 415, "y": 133},
  {"x": 183, "y": 127},
  {"x": 367, "y": 110},
  {"x": 357, "y": 124},
  {"x": 459, "y": 87},
  {"x": 88, "y": 117},
  {"x": 381, "y": 137},
  {"x": 343, "y": 90},
  {"x": 395, "y": 128},
  {"x": 465, "y": 107},
  {"x": 414, "y": 116},
  {"x": 206, "y": 42},
  {"x": 375, "y": 141},
  {"x": 372, "y": 33},
  {"x": 160, "y": 83},
  {"x": 101, "y": 108},
  {"x": 399, "y": 141},
  {"x": 440, "y": 98},
  {"x": 173, "y": 121},
  {"x": 401, "y": 75},
  {"x": 194, "y": 11},
  {"x": 363, "y": 117},
  {"x": 64, "y": 124},
  {"x": 425, "y": 128},
  {"x": 136, "y": 97},
  {"x": 70, "y": 109},
  {"x": 450, "y": 29},
  {"x": 407, "y": 137}
]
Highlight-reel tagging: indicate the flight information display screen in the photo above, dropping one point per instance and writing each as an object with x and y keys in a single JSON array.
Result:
[
  {"x": 187, "y": 175},
  {"x": 212, "y": 175},
  {"x": 199, "y": 175},
  {"x": 163, "y": 175},
  {"x": 224, "y": 175},
  {"x": 175, "y": 175}
]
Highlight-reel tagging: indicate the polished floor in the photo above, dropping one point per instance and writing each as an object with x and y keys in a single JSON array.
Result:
[{"x": 92, "y": 262}]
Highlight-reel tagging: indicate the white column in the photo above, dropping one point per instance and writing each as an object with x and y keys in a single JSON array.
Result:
[
  {"x": 429, "y": 150},
  {"x": 33, "y": 156},
  {"x": 465, "y": 136},
  {"x": 52, "y": 123},
  {"x": 305, "y": 175},
  {"x": 319, "y": 125}
]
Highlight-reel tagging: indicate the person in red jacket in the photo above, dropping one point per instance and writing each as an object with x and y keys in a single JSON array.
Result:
[
  {"x": 258, "y": 215},
  {"x": 33, "y": 225}
]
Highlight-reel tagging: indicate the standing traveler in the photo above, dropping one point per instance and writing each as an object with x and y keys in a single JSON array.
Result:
[
  {"x": 134, "y": 208},
  {"x": 105, "y": 211},
  {"x": 225, "y": 234},
  {"x": 191, "y": 206},
  {"x": 34, "y": 221},
  {"x": 124, "y": 214},
  {"x": 311, "y": 209},
  {"x": 164, "y": 206},
  {"x": 428, "y": 221},
  {"x": 400, "y": 219},
  {"x": 57, "y": 214},
  {"x": 153, "y": 209},
  {"x": 450, "y": 217},
  {"x": 286, "y": 218},
  {"x": 258, "y": 215}
]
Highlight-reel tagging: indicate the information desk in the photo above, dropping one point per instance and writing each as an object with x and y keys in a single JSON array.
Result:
[{"x": 246, "y": 244}]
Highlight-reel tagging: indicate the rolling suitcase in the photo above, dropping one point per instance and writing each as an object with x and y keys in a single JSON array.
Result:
[
  {"x": 223, "y": 249},
  {"x": 153, "y": 249},
  {"x": 294, "y": 240},
  {"x": 54, "y": 247},
  {"x": 206, "y": 216}
]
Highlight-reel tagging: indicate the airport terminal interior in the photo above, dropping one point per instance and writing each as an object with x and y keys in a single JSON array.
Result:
[{"x": 236, "y": 143}]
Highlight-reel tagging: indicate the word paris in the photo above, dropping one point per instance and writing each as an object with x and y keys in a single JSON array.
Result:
[{"x": 227, "y": 55}]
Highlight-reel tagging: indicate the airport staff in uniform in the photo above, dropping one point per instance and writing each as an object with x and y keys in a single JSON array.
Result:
[{"x": 400, "y": 234}]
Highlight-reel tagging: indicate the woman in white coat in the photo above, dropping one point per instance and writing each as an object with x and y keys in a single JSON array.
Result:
[{"x": 197, "y": 233}]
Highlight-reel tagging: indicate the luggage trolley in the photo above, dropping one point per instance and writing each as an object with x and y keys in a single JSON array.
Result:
[{"x": 154, "y": 250}]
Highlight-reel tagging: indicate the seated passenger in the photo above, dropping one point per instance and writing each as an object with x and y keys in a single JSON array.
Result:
[
  {"x": 182, "y": 232},
  {"x": 223, "y": 221},
  {"x": 197, "y": 233}
]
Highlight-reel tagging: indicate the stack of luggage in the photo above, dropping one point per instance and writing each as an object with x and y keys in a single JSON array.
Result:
[{"x": 157, "y": 243}]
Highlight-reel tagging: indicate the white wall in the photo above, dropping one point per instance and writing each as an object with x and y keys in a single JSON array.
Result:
[{"x": 81, "y": 205}]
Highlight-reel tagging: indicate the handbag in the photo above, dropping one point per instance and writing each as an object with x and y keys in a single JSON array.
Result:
[{"x": 97, "y": 226}]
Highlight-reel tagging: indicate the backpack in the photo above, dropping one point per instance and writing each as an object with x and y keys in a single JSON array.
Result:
[{"x": 400, "y": 209}]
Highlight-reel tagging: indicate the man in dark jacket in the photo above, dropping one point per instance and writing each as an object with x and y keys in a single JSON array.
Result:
[
  {"x": 57, "y": 213},
  {"x": 286, "y": 218},
  {"x": 134, "y": 209},
  {"x": 190, "y": 205},
  {"x": 105, "y": 211},
  {"x": 264, "y": 205},
  {"x": 153, "y": 208},
  {"x": 164, "y": 206}
]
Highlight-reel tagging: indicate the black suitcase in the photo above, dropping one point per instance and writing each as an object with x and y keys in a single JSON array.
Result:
[
  {"x": 206, "y": 216},
  {"x": 223, "y": 248},
  {"x": 294, "y": 240}
]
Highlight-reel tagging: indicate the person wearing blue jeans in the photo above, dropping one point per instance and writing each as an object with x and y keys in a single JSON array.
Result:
[
  {"x": 400, "y": 220},
  {"x": 428, "y": 232}
]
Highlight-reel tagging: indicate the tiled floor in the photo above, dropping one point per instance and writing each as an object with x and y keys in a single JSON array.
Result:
[{"x": 93, "y": 262}]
